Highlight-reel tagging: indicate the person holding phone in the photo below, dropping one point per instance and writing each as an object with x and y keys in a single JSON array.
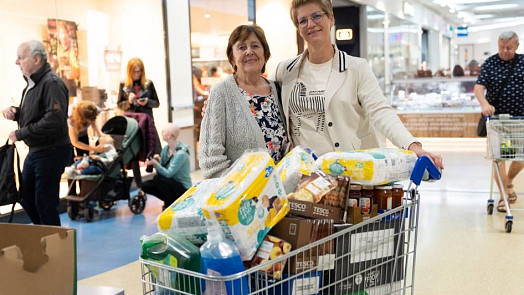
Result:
[
  {"x": 137, "y": 94},
  {"x": 172, "y": 167}
]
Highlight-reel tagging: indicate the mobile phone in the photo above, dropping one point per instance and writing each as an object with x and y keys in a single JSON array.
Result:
[{"x": 142, "y": 98}]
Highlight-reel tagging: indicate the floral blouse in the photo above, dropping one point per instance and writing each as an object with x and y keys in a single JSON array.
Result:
[{"x": 265, "y": 110}]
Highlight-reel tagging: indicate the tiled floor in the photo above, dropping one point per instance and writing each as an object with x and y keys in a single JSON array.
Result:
[{"x": 460, "y": 250}]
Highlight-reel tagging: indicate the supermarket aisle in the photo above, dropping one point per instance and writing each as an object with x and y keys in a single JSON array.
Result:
[{"x": 461, "y": 250}]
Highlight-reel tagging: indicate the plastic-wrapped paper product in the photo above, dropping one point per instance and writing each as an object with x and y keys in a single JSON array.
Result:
[
  {"x": 369, "y": 167},
  {"x": 248, "y": 202},
  {"x": 184, "y": 217},
  {"x": 293, "y": 166}
]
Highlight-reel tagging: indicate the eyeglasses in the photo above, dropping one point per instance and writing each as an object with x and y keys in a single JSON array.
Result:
[{"x": 316, "y": 17}]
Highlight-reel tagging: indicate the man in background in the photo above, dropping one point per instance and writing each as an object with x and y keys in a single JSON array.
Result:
[
  {"x": 499, "y": 90},
  {"x": 42, "y": 125}
]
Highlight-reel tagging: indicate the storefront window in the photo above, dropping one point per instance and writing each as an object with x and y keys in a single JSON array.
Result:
[
  {"x": 375, "y": 41},
  {"x": 404, "y": 47},
  {"x": 211, "y": 23}
]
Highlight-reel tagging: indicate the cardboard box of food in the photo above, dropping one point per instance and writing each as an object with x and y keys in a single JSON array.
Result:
[
  {"x": 315, "y": 210},
  {"x": 91, "y": 94},
  {"x": 355, "y": 216},
  {"x": 298, "y": 231},
  {"x": 366, "y": 258},
  {"x": 36, "y": 257}
]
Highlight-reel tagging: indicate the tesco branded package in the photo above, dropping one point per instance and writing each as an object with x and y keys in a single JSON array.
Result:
[
  {"x": 369, "y": 167},
  {"x": 293, "y": 166},
  {"x": 184, "y": 217},
  {"x": 248, "y": 201}
]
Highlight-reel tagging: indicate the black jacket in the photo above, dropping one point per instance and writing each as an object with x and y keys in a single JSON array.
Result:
[
  {"x": 42, "y": 115},
  {"x": 149, "y": 92}
]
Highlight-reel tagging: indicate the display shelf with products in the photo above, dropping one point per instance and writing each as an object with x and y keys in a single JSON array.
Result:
[
  {"x": 437, "y": 107},
  {"x": 439, "y": 94}
]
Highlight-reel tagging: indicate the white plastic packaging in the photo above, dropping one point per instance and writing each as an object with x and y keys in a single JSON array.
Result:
[{"x": 369, "y": 167}]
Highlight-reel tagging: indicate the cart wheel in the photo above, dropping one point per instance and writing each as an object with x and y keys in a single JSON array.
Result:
[
  {"x": 72, "y": 210},
  {"x": 137, "y": 204},
  {"x": 106, "y": 205},
  {"x": 490, "y": 209},
  {"x": 509, "y": 225},
  {"x": 89, "y": 214}
]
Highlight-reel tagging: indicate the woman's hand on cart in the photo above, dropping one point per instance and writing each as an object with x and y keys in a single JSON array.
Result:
[{"x": 436, "y": 159}]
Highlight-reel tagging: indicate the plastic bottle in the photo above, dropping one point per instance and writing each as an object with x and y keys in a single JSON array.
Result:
[
  {"x": 172, "y": 250},
  {"x": 220, "y": 257}
]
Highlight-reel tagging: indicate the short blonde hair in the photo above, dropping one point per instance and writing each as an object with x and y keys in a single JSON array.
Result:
[{"x": 325, "y": 5}]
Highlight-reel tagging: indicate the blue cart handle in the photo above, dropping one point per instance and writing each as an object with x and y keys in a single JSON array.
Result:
[{"x": 424, "y": 163}]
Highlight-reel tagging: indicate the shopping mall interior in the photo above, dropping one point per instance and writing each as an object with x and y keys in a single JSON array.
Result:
[{"x": 411, "y": 46}]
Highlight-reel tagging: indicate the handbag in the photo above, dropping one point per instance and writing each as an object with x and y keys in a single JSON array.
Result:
[
  {"x": 481, "y": 127},
  {"x": 9, "y": 193}
]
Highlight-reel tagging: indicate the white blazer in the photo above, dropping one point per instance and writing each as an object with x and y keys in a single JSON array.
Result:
[{"x": 353, "y": 101}]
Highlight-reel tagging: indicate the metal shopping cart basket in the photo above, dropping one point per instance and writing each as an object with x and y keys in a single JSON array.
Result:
[
  {"x": 376, "y": 256},
  {"x": 505, "y": 143}
]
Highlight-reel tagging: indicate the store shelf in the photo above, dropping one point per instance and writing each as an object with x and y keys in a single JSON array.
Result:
[{"x": 437, "y": 107}]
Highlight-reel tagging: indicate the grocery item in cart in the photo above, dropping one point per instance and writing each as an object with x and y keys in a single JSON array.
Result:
[
  {"x": 248, "y": 201},
  {"x": 172, "y": 250},
  {"x": 297, "y": 163},
  {"x": 372, "y": 167},
  {"x": 314, "y": 187},
  {"x": 272, "y": 248},
  {"x": 184, "y": 217},
  {"x": 220, "y": 257}
]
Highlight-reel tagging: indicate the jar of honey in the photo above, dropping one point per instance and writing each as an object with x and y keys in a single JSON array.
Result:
[
  {"x": 384, "y": 195},
  {"x": 398, "y": 195}
]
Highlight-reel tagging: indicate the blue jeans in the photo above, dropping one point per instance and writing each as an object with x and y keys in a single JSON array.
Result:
[{"x": 41, "y": 183}]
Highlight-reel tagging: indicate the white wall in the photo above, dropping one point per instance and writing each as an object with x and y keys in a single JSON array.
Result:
[
  {"x": 273, "y": 17},
  {"x": 135, "y": 26}
]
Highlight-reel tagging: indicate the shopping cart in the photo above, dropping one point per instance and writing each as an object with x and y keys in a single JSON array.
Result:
[
  {"x": 376, "y": 256},
  {"x": 505, "y": 143}
]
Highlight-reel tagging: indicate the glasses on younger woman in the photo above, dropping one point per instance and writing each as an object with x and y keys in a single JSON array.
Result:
[{"x": 316, "y": 17}]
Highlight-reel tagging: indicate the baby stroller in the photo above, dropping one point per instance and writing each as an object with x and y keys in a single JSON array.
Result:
[{"x": 113, "y": 184}]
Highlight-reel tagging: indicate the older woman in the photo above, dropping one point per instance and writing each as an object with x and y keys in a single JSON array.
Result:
[
  {"x": 243, "y": 112},
  {"x": 332, "y": 101}
]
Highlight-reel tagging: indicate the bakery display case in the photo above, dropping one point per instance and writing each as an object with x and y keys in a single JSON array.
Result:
[{"x": 437, "y": 107}]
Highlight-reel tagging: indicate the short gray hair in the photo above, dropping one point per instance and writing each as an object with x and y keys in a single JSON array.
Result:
[
  {"x": 508, "y": 35},
  {"x": 37, "y": 48}
]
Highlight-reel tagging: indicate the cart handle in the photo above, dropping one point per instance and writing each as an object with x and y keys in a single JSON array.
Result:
[{"x": 424, "y": 163}]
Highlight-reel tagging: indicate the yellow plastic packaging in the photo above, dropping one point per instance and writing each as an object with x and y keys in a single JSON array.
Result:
[
  {"x": 248, "y": 202},
  {"x": 369, "y": 167},
  {"x": 184, "y": 217}
]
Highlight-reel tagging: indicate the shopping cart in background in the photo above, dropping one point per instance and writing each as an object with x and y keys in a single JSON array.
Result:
[
  {"x": 505, "y": 136},
  {"x": 376, "y": 256}
]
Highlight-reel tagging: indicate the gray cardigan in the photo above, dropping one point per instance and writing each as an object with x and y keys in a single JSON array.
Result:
[{"x": 228, "y": 129}]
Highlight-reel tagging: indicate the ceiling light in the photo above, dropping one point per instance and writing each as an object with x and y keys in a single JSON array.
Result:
[
  {"x": 482, "y": 16},
  {"x": 207, "y": 15},
  {"x": 375, "y": 16},
  {"x": 495, "y": 7}
]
